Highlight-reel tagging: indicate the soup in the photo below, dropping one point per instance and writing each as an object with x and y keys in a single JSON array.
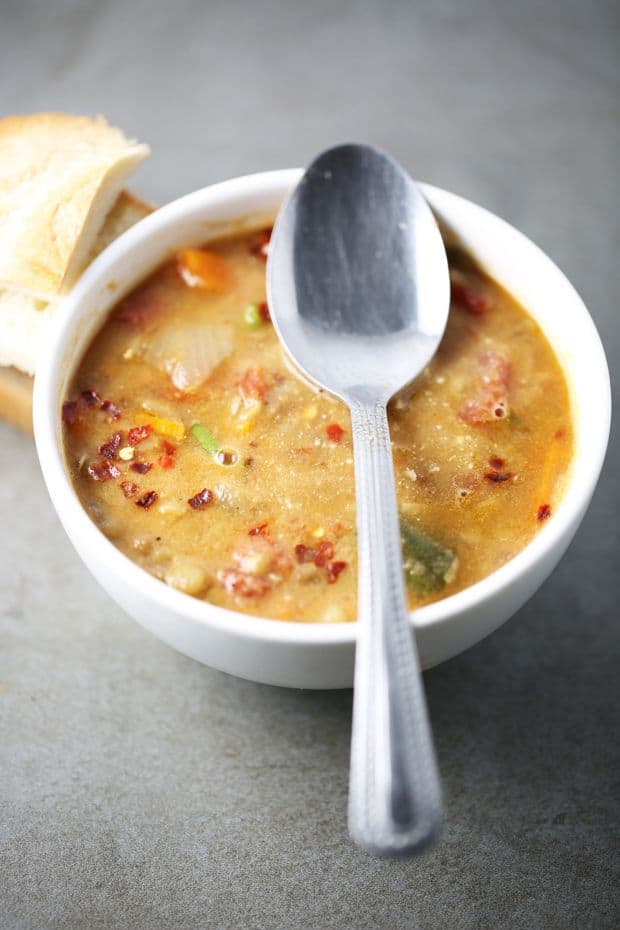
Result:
[{"x": 211, "y": 464}]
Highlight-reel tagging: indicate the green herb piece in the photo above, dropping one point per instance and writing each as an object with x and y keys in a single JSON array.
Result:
[
  {"x": 427, "y": 565},
  {"x": 251, "y": 317},
  {"x": 205, "y": 437}
]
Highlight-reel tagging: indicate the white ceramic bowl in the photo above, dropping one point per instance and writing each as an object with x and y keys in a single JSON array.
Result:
[{"x": 303, "y": 654}]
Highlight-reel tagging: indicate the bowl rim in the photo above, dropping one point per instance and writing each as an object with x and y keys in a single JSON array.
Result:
[{"x": 77, "y": 523}]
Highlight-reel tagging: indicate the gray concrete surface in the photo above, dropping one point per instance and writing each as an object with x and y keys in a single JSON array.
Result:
[{"x": 141, "y": 790}]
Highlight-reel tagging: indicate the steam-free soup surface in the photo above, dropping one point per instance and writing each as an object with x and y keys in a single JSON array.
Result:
[{"x": 208, "y": 462}]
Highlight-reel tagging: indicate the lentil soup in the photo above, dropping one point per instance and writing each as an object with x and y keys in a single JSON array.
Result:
[{"x": 208, "y": 462}]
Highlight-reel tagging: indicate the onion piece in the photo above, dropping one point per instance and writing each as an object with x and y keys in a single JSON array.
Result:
[{"x": 190, "y": 353}]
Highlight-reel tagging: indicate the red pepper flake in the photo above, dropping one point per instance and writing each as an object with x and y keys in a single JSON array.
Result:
[
  {"x": 322, "y": 557},
  {"x": 69, "y": 412},
  {"x": 334, "y": 432},
  {"x": 333, "y": 570},
  {"x": 260, "y": 243},
  {"x": 260, "y": 530},
  {"x": 90, "y": 398},
  {"x": 166, "y": 461},
  {"x": 141, "y": 467},
  {"x": 103, "y": 471},
  {"x": 128, "y": 488},
  {"x": 469, "y": 299},
  {"x": 113, "y": 412},
  {"x": 168, "y": 447},
  {"x": 137, "y": 433},
  {"x": 497, "y": 477},
  {"x": 110, "y": 448},
  {"x": 305, "y": 553},
  {"x": 263, "y": 311},
  {"x": 325, "y": 552},
  {"x": 496, "y": 462},
  {"x": 147, "y": 500},
  {"x": 544, "y": 512},
  {"x": 201, "y": 500}
]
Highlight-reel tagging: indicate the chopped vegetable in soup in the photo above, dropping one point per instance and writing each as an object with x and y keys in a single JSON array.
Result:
[{"x": 208, "y": 462}]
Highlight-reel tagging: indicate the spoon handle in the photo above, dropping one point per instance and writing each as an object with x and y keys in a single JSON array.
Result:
[{"x": 394, "y": 793}]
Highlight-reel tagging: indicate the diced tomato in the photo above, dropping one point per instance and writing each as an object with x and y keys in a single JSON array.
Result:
[
  {"x": 322, "y": 556},
  {"x": 325, "y": 552},
  {"x": 166, "y": 461},
  {"x": 168, "y": 447},
  {"x": 69, "y": 412},
  {"x": 334, "y": 432},
  {"x": 260, "y": 530},
  {"x": 305, "y": 553},
  {"x": 259, "y": 245},
  {"x": 253, "y": 384},
  {"x": 261, "y": 555},
  {"x": 469, "y": 300},
  {"x": 490, "y": 398},
  {"x": 243, "y": 583},
  {"x": 333, "y": 571},
  {"x": 544, "y": 512}
]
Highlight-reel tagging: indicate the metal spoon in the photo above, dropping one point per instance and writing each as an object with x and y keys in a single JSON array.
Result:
[{"x": 359, "y": 291}]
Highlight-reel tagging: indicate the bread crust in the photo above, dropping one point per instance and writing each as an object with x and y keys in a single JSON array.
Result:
[
  {"x": 59, "y": 177},
  {"x": 24, "y": 322}
]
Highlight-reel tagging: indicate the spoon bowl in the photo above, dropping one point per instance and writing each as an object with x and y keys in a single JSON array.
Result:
[
  {"x": 359, "y": 292},
  {"x": 358, "y": 274}
]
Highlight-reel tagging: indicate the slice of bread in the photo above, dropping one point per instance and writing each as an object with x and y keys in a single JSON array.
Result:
[
  {"x": 16, "y": 398},
  {"x": 23, "y": 326},
  {"x": 127, "y": 210},
  {"x": 59, "y": 178},
  {"x": 24, "y": 321}
]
